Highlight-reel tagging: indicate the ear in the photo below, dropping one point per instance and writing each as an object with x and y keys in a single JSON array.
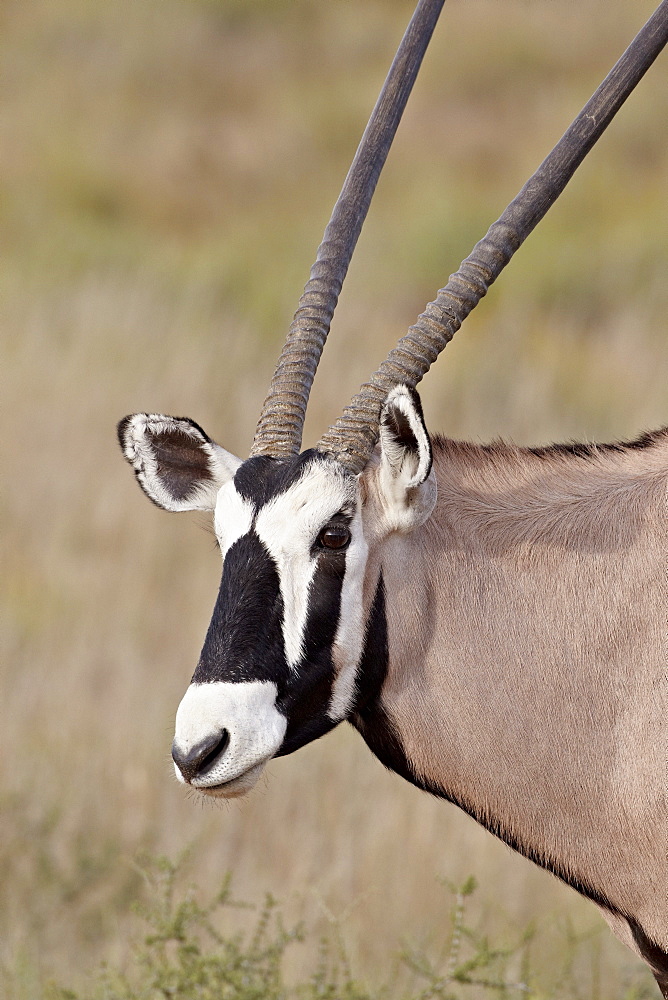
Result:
[
  {"x": 177, "y": 465},
  {"x": 407, "y": 482}
]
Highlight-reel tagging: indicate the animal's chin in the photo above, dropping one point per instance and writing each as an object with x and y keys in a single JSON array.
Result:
[{"x": 236, "y": 786}]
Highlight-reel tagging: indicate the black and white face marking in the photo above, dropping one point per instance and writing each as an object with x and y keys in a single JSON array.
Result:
[
  {"x": 278, "y": 664},
  {"x": 284, "y": 655}
]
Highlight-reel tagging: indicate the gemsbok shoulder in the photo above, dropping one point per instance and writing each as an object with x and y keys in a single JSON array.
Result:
[{"x": 491, "y": 619}]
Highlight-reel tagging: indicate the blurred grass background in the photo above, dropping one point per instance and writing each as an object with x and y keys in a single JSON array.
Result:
[{"x": 166, "y": 171}]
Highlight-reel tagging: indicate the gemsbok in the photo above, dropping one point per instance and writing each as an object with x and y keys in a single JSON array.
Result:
[{"x": 491, "y": 619}]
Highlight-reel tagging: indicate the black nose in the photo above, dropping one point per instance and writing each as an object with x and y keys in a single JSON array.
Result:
[{"x": 201, "y": 757}]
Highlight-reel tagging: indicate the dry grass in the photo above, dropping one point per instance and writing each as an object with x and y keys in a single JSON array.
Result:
[{"x": 167, "y": 169}]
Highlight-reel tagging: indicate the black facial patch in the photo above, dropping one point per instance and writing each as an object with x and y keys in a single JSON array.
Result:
[
  {"x": 254, "y": 479},
  {"x": 245, "y": 638},
  {"x": 262, "y": 478},
  {"x": 324, "y": 604},
  {"x": 306, "y": 698},
  {"x": 308, "y": 720}
]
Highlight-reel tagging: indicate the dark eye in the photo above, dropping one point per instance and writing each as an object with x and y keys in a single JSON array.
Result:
[{"x": 334, "y": 536}]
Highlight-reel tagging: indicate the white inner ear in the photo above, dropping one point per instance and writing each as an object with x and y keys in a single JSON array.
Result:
[{"x": 405, "y": 462}]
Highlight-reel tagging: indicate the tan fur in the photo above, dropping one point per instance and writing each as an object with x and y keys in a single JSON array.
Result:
[{"x": 528, "y": 656}]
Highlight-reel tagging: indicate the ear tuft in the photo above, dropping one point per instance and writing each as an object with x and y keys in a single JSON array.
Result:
[
  {"x": 176, "y": 463},
  {"x": 404, "y": 439}
]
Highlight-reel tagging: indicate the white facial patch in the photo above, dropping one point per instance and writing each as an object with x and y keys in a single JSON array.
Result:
[
  {"x": 288, "y": 526},
  {"x": 233, "y": 517},
  {"x": 349, "y": 640},
  {"x": 247, "y": 712}
]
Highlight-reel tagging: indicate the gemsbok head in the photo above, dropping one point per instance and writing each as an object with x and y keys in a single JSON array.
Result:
[{"x": 491, "y": 619}]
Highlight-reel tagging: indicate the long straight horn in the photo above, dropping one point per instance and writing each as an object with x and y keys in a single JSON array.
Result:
[
  {"x": 352, "y": 438},
  {"x": 279, "y": 429}
]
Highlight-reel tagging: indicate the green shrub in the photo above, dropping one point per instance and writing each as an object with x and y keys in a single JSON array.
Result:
[{"x": 186, "y": 953}]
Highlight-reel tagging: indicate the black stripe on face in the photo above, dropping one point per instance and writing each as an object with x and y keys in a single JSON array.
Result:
[
  {"x": 245, "y": 637},
  {"x": 306, "y": 699},
  {"x": 324, "y": 604}
]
